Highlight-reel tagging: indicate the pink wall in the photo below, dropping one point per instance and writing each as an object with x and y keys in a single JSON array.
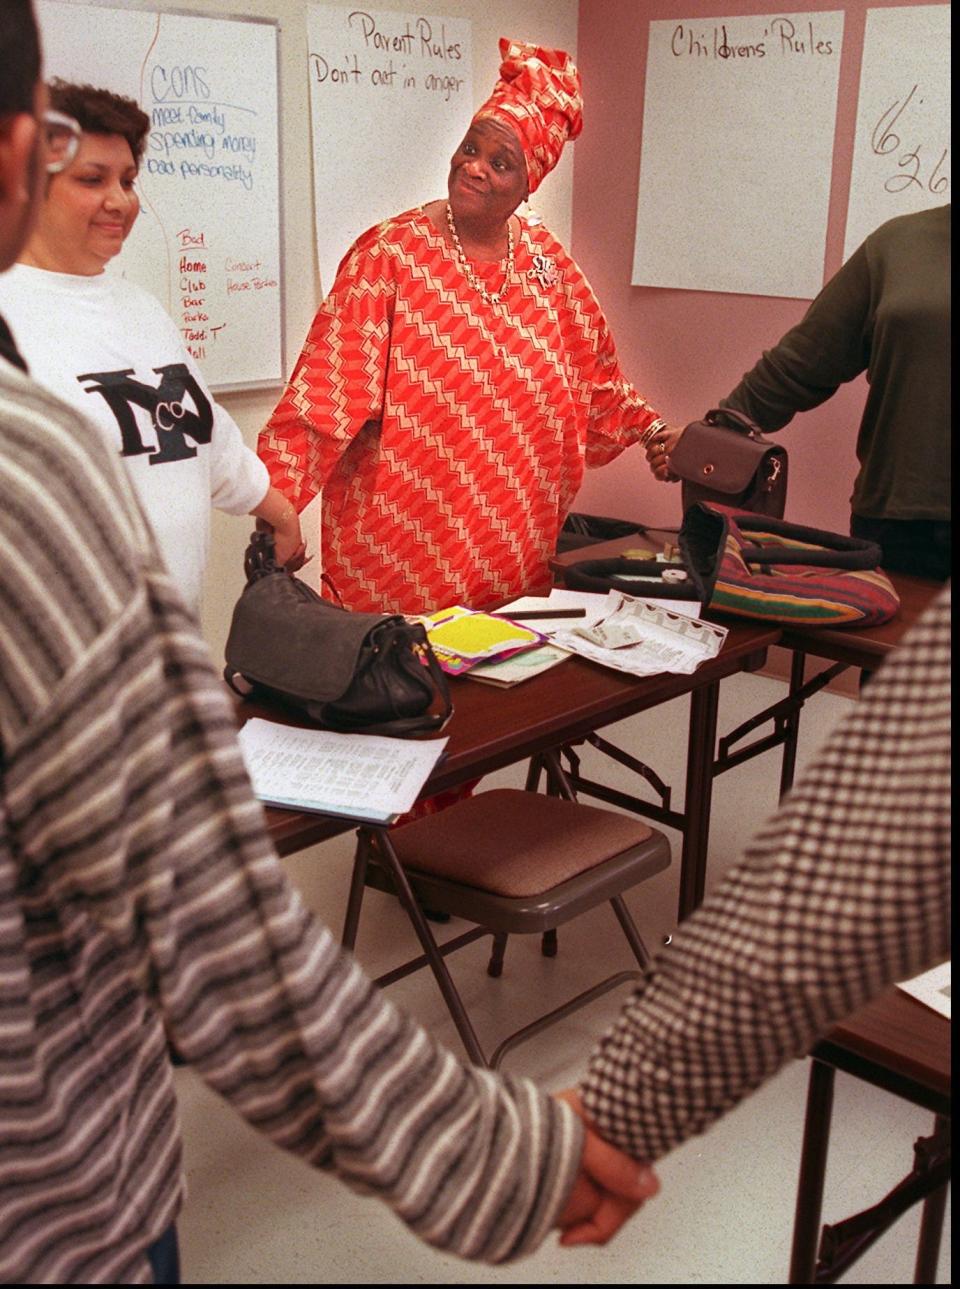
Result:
[{"x": 686, "y": 349}]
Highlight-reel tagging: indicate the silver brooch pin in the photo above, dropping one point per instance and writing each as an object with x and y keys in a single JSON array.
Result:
[{"x": 545, "y": 270}]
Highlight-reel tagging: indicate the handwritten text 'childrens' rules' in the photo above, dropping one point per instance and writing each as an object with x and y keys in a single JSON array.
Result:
[
  {"x": 758, "y": 38},
  {"x": 738, "y": 124}
]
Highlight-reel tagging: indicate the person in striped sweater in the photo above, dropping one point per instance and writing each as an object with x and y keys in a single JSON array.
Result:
[{"x": 140, "y": 895}]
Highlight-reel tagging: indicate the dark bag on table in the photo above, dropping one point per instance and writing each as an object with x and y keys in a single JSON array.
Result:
[
  {"x": 647, "y": 579},
  {"x": 580, "y": 529},
  {"x": 754, "y": 566},
  {"x": 725, "y": 459},
  {"x": 373, "y": 673}
]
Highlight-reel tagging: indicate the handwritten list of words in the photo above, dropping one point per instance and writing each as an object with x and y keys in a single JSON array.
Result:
[
  {"x": 201, "y": 141},
  {"x": 384, "y": 88},
  {"x": 207, "y": 242},
  {"x": 402, "y": 55}
]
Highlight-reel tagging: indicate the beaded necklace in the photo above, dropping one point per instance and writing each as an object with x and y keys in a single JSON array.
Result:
[{"x": 491, "y": 297}]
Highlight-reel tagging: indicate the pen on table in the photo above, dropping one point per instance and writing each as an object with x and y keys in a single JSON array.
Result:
[{"x": 524, "y": 614}]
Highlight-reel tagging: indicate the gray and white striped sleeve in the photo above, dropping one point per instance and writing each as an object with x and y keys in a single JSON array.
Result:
[
  {"x": 845, "y": 890},
  {"x": 139, "y": 893}
]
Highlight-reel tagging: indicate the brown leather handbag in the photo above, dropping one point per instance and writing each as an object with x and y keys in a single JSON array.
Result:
[
  {"x": 372, "y": 673},
  {"x": 725, "y": 459}
]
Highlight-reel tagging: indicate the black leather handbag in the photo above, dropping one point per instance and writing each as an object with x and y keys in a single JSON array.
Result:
[
  {"x": 725, "y": 459},
  {"x": 353, "y": 672}
]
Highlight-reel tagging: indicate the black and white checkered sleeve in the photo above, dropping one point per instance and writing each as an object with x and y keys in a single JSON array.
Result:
[{"x": 846, "y": 889}]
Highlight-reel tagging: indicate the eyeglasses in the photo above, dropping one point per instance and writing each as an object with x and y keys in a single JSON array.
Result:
[{"x": 61, "y": 135}]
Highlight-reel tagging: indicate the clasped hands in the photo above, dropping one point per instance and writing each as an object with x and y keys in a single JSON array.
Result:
[
  {"x": 609, "y": 1189},
  {"x": 658, "y": 450}
]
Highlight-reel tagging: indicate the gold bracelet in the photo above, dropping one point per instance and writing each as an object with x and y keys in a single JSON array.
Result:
[{"x": 653, "y": 428}]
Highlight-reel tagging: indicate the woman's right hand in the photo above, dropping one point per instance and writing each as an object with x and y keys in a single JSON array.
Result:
[{"x": 658, "y": 451}]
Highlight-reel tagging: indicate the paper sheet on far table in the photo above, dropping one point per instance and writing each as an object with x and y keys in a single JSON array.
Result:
[
  {"x": 365, "y": 776},
  {"x": 931, "y": 987}
]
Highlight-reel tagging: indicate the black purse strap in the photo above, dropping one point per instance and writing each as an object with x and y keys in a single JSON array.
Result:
[
  {"x": 259, "y": 559},
  {"x": 834, "y": 550},
  {"x": 616, "y": 573}
]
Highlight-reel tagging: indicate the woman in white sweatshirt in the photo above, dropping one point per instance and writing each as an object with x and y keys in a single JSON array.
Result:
[{"x": 108, "y": 347}]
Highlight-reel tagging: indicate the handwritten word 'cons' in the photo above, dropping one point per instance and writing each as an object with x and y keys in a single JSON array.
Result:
[
  {"x": 178, "y": 83},
  {"x": 913, "y": 173}
]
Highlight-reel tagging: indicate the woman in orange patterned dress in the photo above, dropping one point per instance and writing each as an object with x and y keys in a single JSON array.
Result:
[{"x": 458, "y": 377}]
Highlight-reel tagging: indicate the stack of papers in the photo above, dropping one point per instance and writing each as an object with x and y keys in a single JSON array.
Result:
[
  {"x": 461, "y": 638},
  {"x": 520, "y": 667},
  {"x": 532, "y": 662},
  {"x": 366, "y": 777}
]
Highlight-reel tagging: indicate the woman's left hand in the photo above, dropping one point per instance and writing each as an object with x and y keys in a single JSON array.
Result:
[{"x": 658, "y": 451}]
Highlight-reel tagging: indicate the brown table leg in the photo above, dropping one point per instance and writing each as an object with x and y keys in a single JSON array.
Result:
[
  {"x": 931, "y": 1224},
  {"x": 792, "y": 725},
  {"x": 701, "y": 745},
  {"x": 813, "y": 1167}
]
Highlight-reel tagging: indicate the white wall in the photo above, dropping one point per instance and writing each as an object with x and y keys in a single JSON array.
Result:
[{"x": 548, "y": 22}]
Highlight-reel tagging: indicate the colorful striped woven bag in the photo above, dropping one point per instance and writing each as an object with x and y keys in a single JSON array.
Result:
[{"x": 754, "y": 566}]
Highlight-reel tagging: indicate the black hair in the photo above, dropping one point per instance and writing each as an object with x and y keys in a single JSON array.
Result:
[
  {"x": 19, "y": 56},
  {"x": 100, "y": 111}
]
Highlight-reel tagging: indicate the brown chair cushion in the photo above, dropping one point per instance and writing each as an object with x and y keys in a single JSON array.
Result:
[{"x": 515, "y": 843}]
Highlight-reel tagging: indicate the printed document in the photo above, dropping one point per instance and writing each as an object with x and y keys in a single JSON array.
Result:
[
  {"x": 360, "y": 776},
  {"x": 644, "y": 638}
]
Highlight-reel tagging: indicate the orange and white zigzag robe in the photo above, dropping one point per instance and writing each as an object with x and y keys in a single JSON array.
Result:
[{"x": 449, "y": 435}]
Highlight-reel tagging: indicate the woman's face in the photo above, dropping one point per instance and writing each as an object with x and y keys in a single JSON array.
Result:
[
  {"x": 488, "y": 173},
  {"x": 89, "y": 208}
]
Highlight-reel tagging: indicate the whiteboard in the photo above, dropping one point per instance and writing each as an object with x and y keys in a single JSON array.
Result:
[
  {"x": 901, "y": 153},
  {"x": 207, "y": 242},
  {"x": 738, "y": 125},
  {"x": 391, "y": 96}
]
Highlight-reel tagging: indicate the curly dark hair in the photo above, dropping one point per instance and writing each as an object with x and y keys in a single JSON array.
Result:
[{"x": 99, "y": 111}]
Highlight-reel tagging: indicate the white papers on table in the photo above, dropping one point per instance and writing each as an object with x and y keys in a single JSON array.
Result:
[
  {"x": 361, "y": 776},
  {"x": 596, "y": 605},
  {"x": 662, "y": 638},
  {"x": 932, "y": 988},
  {"x": 522, "y": 666}
]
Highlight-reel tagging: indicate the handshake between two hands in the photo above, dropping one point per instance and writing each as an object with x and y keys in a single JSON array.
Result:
[{"x": 609, "y": 1188}]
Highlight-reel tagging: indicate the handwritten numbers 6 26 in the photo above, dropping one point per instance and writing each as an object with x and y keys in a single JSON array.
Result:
[{"x": 912, "y": 167}]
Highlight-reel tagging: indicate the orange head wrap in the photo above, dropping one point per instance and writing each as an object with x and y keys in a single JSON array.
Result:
[{"x": 538, "y": 96}]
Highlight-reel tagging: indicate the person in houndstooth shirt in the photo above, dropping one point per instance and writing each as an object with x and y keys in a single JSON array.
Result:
[{"x": 845, "y": 890}]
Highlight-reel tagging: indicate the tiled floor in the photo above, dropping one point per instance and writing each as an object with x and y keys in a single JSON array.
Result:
[{"x": 724, "y": 1215}]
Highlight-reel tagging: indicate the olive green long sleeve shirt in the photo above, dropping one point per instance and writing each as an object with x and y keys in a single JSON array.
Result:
[{"x": 886, "y": 313}]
